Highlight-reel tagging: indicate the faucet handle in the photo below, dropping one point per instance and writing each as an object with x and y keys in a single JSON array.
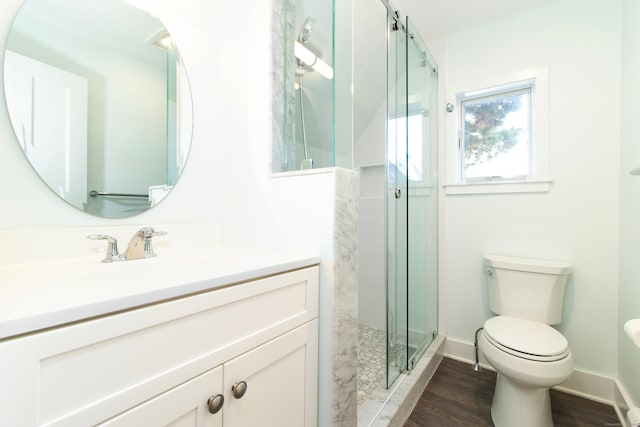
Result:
[
  {"x": 152, "y": 232},
  {"x": 112, "y": 246},
  {"x": 149, "y": 233}
]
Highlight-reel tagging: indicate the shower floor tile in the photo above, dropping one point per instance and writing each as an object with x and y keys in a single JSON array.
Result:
[{"x": 371, "y": 361}]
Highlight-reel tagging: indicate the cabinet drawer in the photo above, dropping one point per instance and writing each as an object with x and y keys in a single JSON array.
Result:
[{"x": 83, "y": 373}]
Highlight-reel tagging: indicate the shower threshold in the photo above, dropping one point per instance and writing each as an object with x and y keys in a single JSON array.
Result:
[{"x": 391, "y": 407}]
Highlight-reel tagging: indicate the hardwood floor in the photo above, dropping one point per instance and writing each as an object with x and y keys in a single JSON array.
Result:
[{"x": 458, "y": 396}]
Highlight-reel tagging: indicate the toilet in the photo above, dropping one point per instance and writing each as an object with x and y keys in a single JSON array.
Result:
[{"x": 528, "y": 354}]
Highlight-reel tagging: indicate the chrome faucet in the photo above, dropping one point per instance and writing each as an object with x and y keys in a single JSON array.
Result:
[
  {"x": 139, "y": 247},
  {"x": 140, "y": 244}
]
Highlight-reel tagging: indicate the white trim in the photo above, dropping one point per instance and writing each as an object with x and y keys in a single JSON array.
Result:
[
  {"x": 496, "y": 187},
  {"x": 539, "y": 127},
  {"x": 301, "y": 172},
  {"x": 622, "y": 403},
  {"x": 590, "y": 386},
  {"x": 585, "y": 384},
  {"x": 372, "y": 165},
  {"x": 526, "y": 84}
]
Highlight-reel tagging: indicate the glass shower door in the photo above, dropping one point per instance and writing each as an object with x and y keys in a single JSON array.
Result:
[
  {"x": 411, "y": 211},
  {"x": 422, "y": 93},
  {"x": 396, "y": 197}
]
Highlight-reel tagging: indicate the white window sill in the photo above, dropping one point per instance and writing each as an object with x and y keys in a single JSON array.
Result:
[{"x": 498, "y": 187}]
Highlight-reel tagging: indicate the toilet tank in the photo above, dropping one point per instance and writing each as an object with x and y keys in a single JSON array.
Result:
[{"x": 530, "y": 289}]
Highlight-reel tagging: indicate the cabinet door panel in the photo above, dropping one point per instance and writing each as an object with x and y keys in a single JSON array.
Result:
[
  {"x": 281, "y": 382},
  {"x": 183, "y": 406}
]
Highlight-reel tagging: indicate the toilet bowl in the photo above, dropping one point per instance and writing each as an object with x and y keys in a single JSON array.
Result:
[
  {"x": 525, "y": 374},
  {"x": 528, "y": 354}
]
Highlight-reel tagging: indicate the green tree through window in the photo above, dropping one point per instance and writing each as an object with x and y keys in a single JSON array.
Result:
[{"x": 487, "y": 133}]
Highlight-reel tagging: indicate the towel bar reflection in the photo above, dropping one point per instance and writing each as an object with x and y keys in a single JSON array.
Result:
[
  {"x": 94, "y": 193},
  {"x": 635, "y": 171}
]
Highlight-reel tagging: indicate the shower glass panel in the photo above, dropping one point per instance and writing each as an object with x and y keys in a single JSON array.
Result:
[
  {"x": 396, "y": 209},
  {"x": 411, "y": 197},
  {"x": 304, "y": 122},
  {"x": 422, "y": 93}
]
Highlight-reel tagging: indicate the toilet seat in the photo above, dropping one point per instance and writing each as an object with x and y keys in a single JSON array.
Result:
[{"x": 526, "y": 339}]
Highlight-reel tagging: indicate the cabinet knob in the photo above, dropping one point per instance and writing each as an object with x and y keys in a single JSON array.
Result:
[
  {"x": 239, "y": 389},
  {"x": 215, "y": 403}
]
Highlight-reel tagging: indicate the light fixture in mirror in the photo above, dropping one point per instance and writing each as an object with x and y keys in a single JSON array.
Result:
[{"x": 99, "y": 101}]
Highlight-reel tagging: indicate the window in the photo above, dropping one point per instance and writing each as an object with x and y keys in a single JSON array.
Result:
[
  {"x": 495, "y": 135},
  {"x": 497, "y": 138},
  {"x": 409, "y": 163}
]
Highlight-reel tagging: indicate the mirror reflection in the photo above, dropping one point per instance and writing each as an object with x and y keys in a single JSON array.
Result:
[{"x": 99, "y": 101}]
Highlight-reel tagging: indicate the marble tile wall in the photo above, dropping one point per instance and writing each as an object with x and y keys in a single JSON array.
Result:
[{"x": 345, "y": 331}]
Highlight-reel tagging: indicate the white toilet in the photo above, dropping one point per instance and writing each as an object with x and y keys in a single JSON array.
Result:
[{"x": 529, "y": 355}]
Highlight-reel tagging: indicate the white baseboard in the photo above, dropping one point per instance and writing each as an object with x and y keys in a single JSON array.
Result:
[
  {"x": 622, "y": 404},
  {"x": 581, "y": 383}
]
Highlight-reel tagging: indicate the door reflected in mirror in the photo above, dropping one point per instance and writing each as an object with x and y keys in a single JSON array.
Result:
[{"x": 99, "y": 101}]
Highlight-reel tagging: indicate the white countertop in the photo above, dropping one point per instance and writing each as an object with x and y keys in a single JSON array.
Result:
[{"x": 35, "y": 296}]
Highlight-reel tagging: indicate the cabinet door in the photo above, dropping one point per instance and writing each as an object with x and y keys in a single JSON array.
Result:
[
  {"x": 281, "y": 382},
  {"x": 183, "y": 406}
]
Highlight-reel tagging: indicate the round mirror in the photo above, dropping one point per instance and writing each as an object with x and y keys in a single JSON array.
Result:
[{"x": 99, "y": 102}]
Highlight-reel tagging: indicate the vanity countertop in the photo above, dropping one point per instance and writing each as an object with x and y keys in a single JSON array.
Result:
[{"x": 36, "y": 296}]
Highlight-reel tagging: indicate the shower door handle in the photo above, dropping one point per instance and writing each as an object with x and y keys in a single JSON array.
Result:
[{"x": 398, "y": 193}]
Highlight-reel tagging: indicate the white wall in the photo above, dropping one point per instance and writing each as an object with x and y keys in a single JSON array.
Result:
[
  {"x": 372, "y": 274},
  {"x": 370, "y": 116},
  {"x": 227, "y": 179},
  {"x": 629, "y": 291},
  {"x": 577, "y": 221}
]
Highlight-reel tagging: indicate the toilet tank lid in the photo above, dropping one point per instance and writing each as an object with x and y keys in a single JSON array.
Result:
[{"x": 527, "y": 264}]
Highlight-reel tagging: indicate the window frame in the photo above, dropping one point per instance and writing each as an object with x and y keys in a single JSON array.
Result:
[
  {"x": 525, "y": 87},
  {"x": 538, "y": 179}
]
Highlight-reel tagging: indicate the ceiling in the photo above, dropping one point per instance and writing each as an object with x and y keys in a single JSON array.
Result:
[
  {"x": 431, "y": 18},
  {"x": 434, "y": 18}
]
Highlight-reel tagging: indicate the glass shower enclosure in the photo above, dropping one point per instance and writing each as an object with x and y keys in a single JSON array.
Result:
[
  {"x": 411, "y": 197},
  {"x": 305, "y": 106}
]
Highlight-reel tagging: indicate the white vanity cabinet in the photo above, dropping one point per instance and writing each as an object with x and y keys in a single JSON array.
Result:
[
  {"x": 160, "y": 365},
  {"x": 184, "y": 405}
]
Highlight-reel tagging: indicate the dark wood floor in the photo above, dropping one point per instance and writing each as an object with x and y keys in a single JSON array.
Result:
[{"x": 458, "y": 396}]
